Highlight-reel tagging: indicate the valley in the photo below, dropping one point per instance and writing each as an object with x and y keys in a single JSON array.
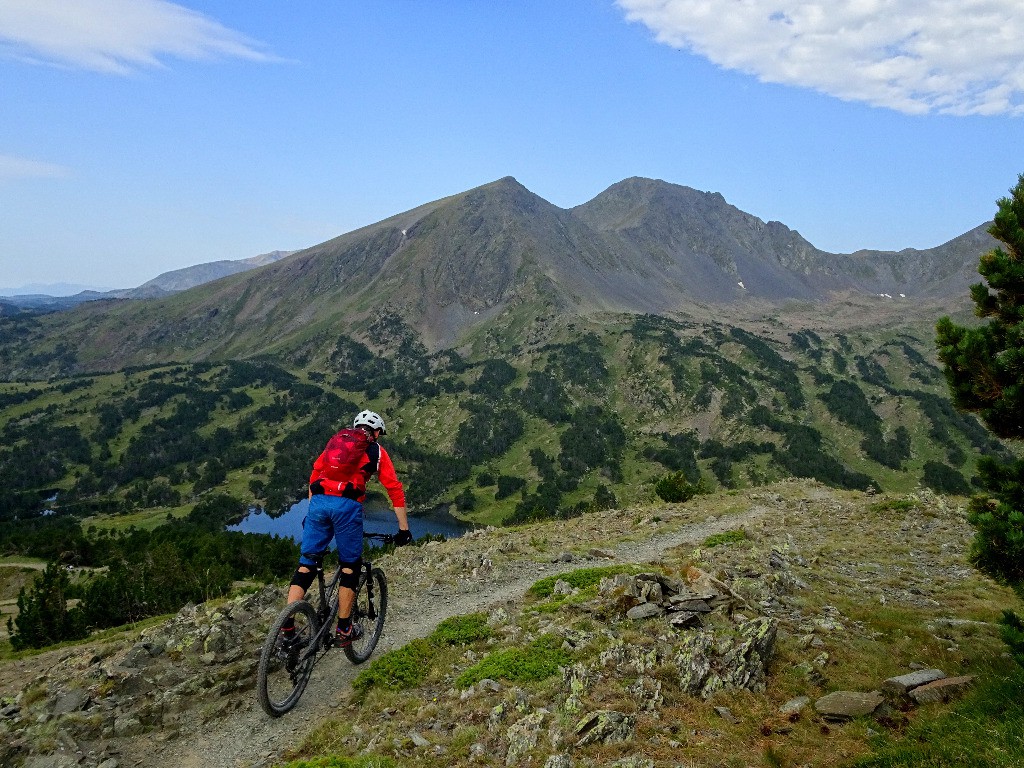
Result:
[{"x": 654, "y": 364}]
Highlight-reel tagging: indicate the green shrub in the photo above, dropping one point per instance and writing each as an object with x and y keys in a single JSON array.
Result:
[
  {"x": 893, "y": 505},
  {"x": 537, "y": 661},
  {"x": 408, "y": 666},
  {"x": 398, "y": 670},
  {"x": 581, "y": 579},
  {"x": 675, "y": 488},
  {"x": 725, "y": 537},
  {"x": 944, "y": 479},
  {"x": 337, "y": 761},
  {"x": 462, "y": 630}
]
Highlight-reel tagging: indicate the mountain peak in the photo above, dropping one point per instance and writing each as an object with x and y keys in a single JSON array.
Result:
[{"x": 498, "y": 253}]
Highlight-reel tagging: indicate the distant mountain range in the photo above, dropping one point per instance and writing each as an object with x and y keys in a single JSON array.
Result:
[
  {"x": 59, "y": 296},
  {"x": 498, "y": 260}
]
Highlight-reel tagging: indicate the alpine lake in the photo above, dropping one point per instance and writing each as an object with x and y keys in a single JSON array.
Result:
[{"x": 377, "y": 518}]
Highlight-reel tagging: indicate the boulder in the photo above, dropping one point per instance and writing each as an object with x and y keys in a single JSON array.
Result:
[
  {"x": 942, "y": 690},
  {"x": 709, "y": 662},
  {"x": 645, "y": 611},
  {"x": 684, "y": 620},
  {"x": 522, "y": 737},
  {"x": 688, "y": 603},
  {"x": 72, "y": 701},
  {"x": 578, "y": 678},
  {"x": 846, "y": 705},
  {"x": 562, "y": 587},
  {"x": 605, "y": 726},
  {"x": 904, "y": 684},
  {"x": 794, "y": 706}
]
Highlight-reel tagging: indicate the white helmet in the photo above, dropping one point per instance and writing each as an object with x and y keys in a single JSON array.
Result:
[{"x": 371, "y": 420}]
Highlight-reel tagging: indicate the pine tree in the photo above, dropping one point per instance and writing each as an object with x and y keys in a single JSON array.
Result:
[
  {"x": 43, "y": 615},
  {"x": 984, "y": 366}
]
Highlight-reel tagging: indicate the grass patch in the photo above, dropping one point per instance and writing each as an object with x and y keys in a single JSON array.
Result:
[
  {"x": 143, "y": 520},
  {"x": 537, "y": 661},
  {"x": 462, "y": 630},
  {"x": 580, "y": 579},
  {"x": 397, "y": 670},
  {"x": 983, "y": 729},
  {"x": 725, "y": 537},
  {"x": 893, "y": 505},
  {"x": 408, "y": 666},
  {"x": 337, "y": 761}
]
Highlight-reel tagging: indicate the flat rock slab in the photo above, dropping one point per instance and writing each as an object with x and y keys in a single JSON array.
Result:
[
  {"x": 942, "y": 690},
  {"x": 692, "y": 604},
  {"x": 793, "y": 706},
  {"x": 903, "y": 684},
  {"x": 846, "y": 705},
  {"x": 645, "y": 611}
]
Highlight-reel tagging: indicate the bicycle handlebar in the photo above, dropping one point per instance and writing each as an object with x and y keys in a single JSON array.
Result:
[{"x": 387, "y": 538}]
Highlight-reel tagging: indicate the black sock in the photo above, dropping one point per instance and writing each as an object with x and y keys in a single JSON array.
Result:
[{"x": 344, "y": 625}]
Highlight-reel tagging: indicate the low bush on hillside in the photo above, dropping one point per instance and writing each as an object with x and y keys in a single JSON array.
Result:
[
  {"x": 725, "y": 537},
  {"x": 894, "y": 505},
  {"x": 461, "y": 630},
  {"x": 408, "y": 666},
  {"x": 336, "y": 761},
  {"x": 397, "y": 670},
  {"x": 579, "y": 579},
  {"x": 675, "y": 488},
  {"x": 537, "y": 661}
]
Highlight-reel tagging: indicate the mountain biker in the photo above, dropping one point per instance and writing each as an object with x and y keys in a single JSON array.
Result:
[{"x": 336, "y": 509}]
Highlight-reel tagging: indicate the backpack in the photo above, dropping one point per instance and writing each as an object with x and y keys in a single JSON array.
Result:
[{"x": 345, "y": 454}]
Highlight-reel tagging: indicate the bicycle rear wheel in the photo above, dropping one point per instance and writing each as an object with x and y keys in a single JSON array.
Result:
[
  {"x": 285, "y": 666},
  {"x": 368, "y": 612}
]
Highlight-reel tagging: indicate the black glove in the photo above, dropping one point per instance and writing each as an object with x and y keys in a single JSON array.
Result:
[
  {"x": 403, "y": 538},
  {"x": 317, "y": 488}
]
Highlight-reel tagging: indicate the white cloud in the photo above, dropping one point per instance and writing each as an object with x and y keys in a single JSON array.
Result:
[
  {"x": 21, "y": 168},
  {"x": 960, "y": 57},
  {"x": 115, "y": 36}
]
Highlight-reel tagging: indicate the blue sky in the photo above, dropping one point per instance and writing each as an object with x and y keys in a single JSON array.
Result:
[{"x": 140, "y": 136}]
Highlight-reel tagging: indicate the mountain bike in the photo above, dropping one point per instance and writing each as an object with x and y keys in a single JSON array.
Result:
[{"x": 285, "y": 666}]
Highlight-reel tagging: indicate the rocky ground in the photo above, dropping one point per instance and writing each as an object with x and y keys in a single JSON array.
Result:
[{"x": 790, "y": 595}]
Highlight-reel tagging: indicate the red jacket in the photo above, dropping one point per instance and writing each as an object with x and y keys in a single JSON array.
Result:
[{"x": 377, "y": 461}]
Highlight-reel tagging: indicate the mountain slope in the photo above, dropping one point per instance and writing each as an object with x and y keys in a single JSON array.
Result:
[
  {"x": 162, "y": 285},
  {"x": 861, "y": 587},
  {"x": 190, "y": 277},
  {"x": 498, "y": 261}
]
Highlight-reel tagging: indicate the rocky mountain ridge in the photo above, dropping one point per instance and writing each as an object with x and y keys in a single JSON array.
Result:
[
  {"x": 163, "y": 284},
  {"x": 500, "y": 259}
]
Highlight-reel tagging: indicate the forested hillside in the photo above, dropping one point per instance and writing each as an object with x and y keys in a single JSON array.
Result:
[{"x": 551, "y": 430}]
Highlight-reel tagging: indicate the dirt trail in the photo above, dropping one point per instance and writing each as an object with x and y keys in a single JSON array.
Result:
[{"x": 248, "y": 737}]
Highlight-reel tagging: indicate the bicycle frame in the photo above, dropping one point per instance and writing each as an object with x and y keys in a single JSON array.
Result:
[
  {"x": 325, "y": 612},
  {"x": 284, "y": 668}
]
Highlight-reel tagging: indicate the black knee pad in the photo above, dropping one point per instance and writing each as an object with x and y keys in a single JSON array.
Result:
[
  {"x": 350, "y": 580},
  {"x": 304, "y": 579}
]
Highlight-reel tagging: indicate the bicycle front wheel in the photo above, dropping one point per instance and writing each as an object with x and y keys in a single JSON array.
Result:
[
  {"x": 368, "y": 612},
  {"x": 287, "y": 660}
]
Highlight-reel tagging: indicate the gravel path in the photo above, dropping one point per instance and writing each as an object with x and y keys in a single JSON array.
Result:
[{"x": 248, "y": 737}]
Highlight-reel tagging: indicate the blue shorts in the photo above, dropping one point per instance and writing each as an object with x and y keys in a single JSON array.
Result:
[{"x": 332, "y": 516}]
